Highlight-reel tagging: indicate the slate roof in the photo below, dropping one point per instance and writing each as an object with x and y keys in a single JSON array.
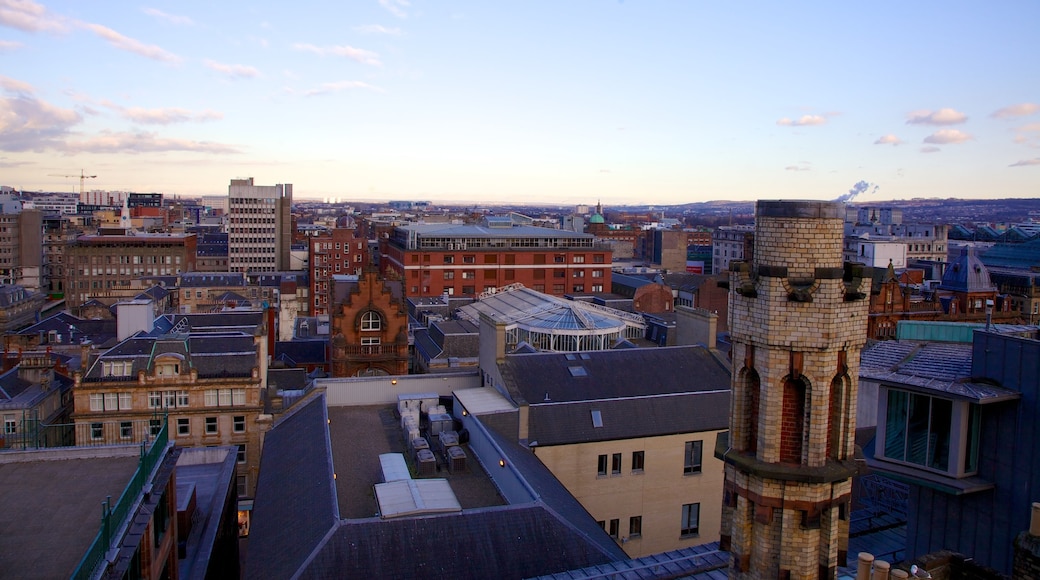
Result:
[
  {"x": 931, "y": 368},
  {"x": 703, "y": 562},
  {"x": 248, "y": 322},
  {"x": 295, "y": 504},
  {"x": 229, "y": 354},
  {"x": 966, "y": 273},
  {"x": 287, "y": 379},
  {"x": 296, "y": 530},
  {"x": 501, "y": 543},
  {"x": 301, "y": 352},
  {"x": 637, "y": 393},
  {"x": 555, "y": 495},
  {"x": 11, "y": 386},
  {"x": 614, "y": 374},
  {"x": 96, "y": 331}
]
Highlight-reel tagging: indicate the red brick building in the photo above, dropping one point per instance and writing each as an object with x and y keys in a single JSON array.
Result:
[
  {"x": 465, "y": 260},
  {"x": 339, "y": 252},
  {"x": 369, "y": 327}
]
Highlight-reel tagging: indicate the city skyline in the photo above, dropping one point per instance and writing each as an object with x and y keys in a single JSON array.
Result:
[{"x": 621, "y": 102}]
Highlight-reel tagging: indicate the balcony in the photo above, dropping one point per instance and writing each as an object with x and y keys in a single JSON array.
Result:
[{"x": 374, "y": 351}]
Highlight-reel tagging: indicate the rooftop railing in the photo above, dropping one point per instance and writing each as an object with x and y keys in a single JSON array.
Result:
[{"x": 114, "y": 516}]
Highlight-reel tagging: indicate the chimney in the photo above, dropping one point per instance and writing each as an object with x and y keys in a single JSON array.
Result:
[{"x": 1026, "y": 560}]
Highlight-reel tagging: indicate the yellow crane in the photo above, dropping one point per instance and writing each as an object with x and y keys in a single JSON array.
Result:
[{"x": 82, "y": 177}]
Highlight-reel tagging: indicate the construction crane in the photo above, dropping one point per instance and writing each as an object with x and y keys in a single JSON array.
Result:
[{"x": 82, "y": 177}]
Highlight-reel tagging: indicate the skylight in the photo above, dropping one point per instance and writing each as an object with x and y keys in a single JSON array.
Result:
[{"x": 597, "y": 419}]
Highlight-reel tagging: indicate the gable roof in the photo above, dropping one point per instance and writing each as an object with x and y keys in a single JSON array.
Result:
[
  {"x": 611, "y": 374},
  {"x": 502, "y": 542},
  {"x": 295, "y": 504},
  {"x": 641, "y": 392}
]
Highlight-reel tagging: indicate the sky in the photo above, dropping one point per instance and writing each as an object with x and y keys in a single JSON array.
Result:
[{"x": 558, "y": 102}]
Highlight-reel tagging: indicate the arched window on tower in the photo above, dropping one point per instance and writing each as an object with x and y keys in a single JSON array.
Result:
[
  {"x": 792, "y": 420},
  {"x": 838, "y": 418},
  {"x": 752, "y": 397}
]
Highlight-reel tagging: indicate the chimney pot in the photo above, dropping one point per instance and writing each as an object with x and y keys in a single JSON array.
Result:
[{"x": 1034, "y": 521}]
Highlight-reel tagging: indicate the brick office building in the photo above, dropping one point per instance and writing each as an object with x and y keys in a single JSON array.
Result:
[
  {"x": 341, "y": 251},
  {"x": 465, "y": 260}
]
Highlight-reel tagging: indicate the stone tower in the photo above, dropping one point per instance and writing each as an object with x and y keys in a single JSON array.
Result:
[{"x": 799, "y": 320}]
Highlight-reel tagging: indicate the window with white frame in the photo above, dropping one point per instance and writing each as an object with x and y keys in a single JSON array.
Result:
[
  {"x": 97, "y": 430},
  {"x": 211, "y": 425},
  {"x": 371, "y": 320},
  {"x": 183, "y": 426},
  {"x": 369, "y": 340},
  {"x": 238, "y": 424},
  {"x": 116, "y": 368},
  {"x": 10, "y": 425},
  {"x": 126, "y": 429}
]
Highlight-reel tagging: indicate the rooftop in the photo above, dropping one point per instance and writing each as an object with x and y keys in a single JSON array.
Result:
[
  {"x": 360, "y": 434},
  {"x": 39, "y": 540}
]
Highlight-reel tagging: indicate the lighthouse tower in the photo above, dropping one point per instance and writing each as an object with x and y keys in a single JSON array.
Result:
[{"x": 798, "y": 323}]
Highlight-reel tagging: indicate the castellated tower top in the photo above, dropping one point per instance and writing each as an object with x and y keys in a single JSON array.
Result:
[{"x": 799, "y": 235}]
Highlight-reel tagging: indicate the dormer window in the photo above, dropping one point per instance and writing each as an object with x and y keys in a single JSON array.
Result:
[
  {"x": 117, "y": 368},
  {"x": 169, "y": 369},
  {"x": 932, "y": 432}
]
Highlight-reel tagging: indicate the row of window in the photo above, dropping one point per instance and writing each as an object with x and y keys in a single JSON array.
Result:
[
  {"x": 211, "y": 425},
  {"x": 689, "y": 523},
  {"x": 123, "y": 400},
  {"x": 692, "y": 454}
]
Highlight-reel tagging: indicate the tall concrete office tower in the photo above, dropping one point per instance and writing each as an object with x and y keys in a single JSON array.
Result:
[
  {"x": 259, "y": 226},
  {"x": 799, "y": 320}
]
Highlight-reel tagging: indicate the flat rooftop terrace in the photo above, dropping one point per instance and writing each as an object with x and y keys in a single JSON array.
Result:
[
  {"x": 360, "y": 434},
  {"x": 50, "y": 510}
]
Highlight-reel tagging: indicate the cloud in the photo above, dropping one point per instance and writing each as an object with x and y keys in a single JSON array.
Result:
[
  {"x": 15, "y": 86},
  {"x": 803, "y": 121},
  {"x": 940, "y": 117},
  {"x": 889, "y": 139},
  {"x": 377, "y": 29},
  {"x": 130, "y": 45},
  {"x": 171, "y": 18},
  {"x": 142, "y": 142},
  {"x": 930, "y": 149},
  {"x": 28, "y": 16},
  {"x": 356, "y": 54},
  {"x": 166, "y": 116},
  {"x": 234, "y": 71},
  {"x": 1026, "y": 162},
  {"x": 29, "y": 124},
  {"x": 1030, "y": 128},
  {"x": 396, "y": 7},
  {"x": 797, "y": 168},
  {"x": 947, "y": 137},
  {"x": 328, "y": 88},
  {"x": 1019, "y": 110},
  {"x": 7, "y": 45}
]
